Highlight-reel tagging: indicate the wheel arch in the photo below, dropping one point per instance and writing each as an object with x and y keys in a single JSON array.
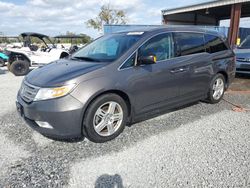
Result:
[
  {"x": 63, "y": 55},
  {"x": 14, "y": 56},
  {"x": 120, "y": 93},
  {"x": 224, "y": 73}
]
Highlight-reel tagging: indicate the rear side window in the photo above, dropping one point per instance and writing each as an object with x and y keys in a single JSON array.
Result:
[
  {"x": 189, "y": 43},
  {"x": 246, "y": 43},
  {"x": 214, "y": 44}
]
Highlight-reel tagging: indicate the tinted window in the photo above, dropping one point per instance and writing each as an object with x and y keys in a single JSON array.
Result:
[
  {"x": 214, "y": 44},
  {"x": 189, "y": 43},
  {"x": 160, "y": 46},
  {"x": 246, "y": 43}
]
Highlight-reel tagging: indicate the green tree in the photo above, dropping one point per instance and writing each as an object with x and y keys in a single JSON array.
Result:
[
  {"x": 86, "y": 39},
  {"x": 107, "y": 15},
  {"x": 74, "y": 38}
]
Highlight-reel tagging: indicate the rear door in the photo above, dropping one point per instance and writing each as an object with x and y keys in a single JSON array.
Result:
[{"x": 194, "y": 64}]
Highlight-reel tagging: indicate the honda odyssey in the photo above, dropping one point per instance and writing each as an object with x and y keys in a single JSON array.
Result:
[{"x": 121, "y": 78}]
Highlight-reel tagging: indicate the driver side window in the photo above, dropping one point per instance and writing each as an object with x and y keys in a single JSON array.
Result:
[
  {"x": 160, "y": 46},
  {"x": 130, "y": 62}
]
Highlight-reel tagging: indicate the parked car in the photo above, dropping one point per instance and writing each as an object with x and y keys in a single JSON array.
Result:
[
  {"x": 31, "y": 55},
  {"x": 76, "y": 42},
  {"x": 3, "y": 59},
  {"x": 125, "y": 78},
  {"x": 243, "y": 57}
]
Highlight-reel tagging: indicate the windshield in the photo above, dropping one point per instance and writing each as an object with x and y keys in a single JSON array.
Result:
[
  {"x": 246, "y": 43},
  {"x": 36, "y": 41},
  {"x": 48, "y": 41},
  {"x": 107, "y": 48}
]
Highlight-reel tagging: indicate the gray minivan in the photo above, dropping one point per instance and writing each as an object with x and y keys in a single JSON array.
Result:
[
  {"x": 124, "y": 78},
  {"x": 242, "y": 53}
]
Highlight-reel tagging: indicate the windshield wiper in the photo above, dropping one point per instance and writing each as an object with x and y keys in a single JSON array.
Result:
[{"x": 85, "y": 58}]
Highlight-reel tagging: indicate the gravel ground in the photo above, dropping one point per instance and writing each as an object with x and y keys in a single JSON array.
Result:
[{"x": 201, "y": 145}]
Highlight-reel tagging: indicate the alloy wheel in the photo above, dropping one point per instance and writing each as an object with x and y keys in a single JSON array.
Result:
[
  {"x": 218, "y": 88},
  {"x": 108, "y": 118}
]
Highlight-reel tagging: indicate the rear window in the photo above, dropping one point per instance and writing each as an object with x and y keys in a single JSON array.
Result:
[
  {"x": 214, "y": 44},
  {"x": 245, "y": 44},
  {"x": 189, "y": 43}
]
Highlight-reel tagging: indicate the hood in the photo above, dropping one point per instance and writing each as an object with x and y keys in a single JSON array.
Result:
[
  {"x": 19, "y": 50},
  {"x": 61, "y": 71},
  {"x": 242, "y": 53}
]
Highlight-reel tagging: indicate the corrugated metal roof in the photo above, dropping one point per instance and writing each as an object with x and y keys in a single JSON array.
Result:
[{"x": 202, "y": 6}]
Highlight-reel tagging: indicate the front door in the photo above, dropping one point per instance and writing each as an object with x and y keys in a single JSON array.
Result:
[{"x": 154, "y": 85}]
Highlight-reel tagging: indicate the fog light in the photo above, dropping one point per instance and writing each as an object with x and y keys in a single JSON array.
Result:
[{"x": 44, "y": 124}]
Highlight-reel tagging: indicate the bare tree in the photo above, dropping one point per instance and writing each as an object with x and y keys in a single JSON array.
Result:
[{"x": 107, "y": 16}]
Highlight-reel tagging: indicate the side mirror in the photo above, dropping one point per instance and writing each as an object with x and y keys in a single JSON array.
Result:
[{"x": 146, "y": 60}]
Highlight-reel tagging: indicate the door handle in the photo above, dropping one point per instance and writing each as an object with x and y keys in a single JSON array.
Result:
[{"x": 179, "y": 70}]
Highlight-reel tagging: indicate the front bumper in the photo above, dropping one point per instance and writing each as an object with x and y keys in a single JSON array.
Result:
[
  {"x": 63, "y": 114},
  {"x": 243, "y": 67}
]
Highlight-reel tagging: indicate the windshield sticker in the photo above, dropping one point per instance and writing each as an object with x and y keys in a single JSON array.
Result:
[{"x": 135, "y": 33}]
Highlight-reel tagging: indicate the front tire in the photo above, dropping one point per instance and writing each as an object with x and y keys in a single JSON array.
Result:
[
  {"x": 19, "y": 68},
  {"x": 217, "y": 89},
  {"x": 105, "y": 118}
]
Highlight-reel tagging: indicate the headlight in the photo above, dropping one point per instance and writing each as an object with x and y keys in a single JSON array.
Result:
[{"x": 50, "y": 93}]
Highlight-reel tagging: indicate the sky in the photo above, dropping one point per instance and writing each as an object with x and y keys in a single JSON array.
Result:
[{"x": 53, "y": 17}]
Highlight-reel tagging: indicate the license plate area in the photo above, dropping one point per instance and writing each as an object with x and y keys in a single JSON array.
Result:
[{"x": 244, "y": 66}]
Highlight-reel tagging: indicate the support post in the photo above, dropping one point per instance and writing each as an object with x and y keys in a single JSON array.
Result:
[
  {"x": 164, "y": 20},
  {"x": 234, "y": 23}
]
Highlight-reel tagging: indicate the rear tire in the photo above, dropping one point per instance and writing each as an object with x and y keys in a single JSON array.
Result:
[
  {"x": 19, "y": 68},
  {"x": 105, "y": 118},
  {"x": 217, "y": 89},
  {"x": 2, "y": 62}
]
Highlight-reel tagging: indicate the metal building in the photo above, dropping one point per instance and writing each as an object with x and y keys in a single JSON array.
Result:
[{"x": 210, "y": 13}]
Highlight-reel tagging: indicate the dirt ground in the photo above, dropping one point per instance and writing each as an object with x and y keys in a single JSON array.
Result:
[{"x": 241, "y": 83}]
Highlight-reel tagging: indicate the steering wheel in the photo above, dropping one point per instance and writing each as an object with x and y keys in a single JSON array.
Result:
[{"x": 44, "y": 48}]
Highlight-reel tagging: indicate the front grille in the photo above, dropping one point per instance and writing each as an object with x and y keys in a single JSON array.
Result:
[
  {"x": 247, "y": 60},
  {"x": 240, "y": 69},
  {"x": 28, "y": 92}
]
